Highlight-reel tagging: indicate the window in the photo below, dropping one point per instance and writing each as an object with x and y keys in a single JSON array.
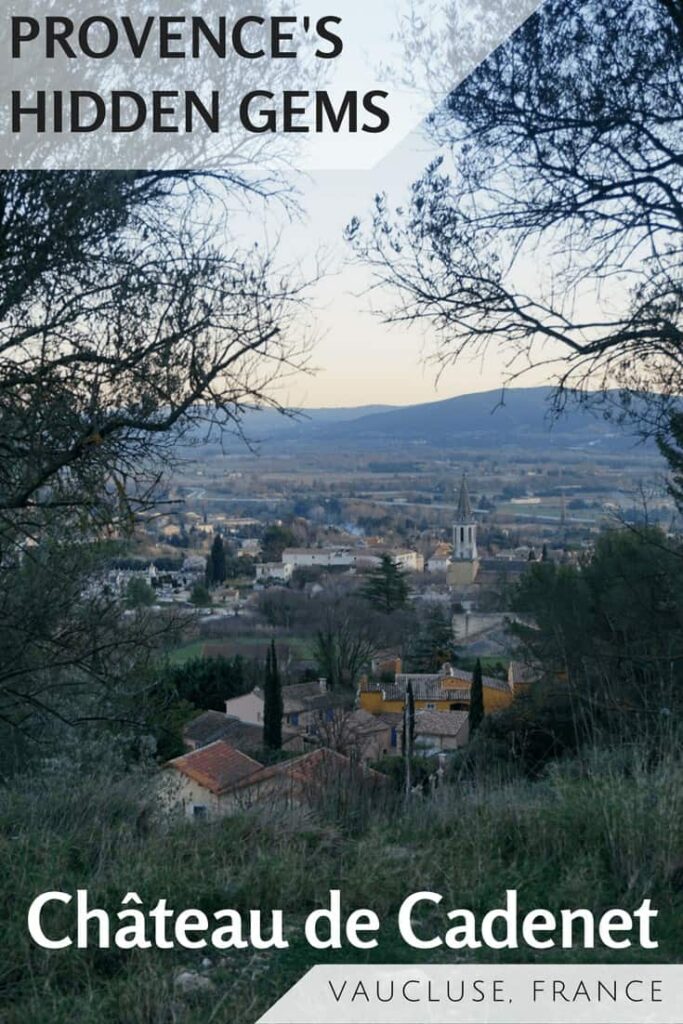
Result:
[
  {"x": 462, "y": 534},
  {"x": 394, "y": 737},
  {"x": 200, "y": 811},
  {"x": 431, "y": 707},
  {"x": 293, "y": 719}
]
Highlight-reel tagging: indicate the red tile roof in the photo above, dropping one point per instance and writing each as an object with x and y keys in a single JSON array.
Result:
[
  {"x": 218, "y": 767},
  {"x": 319, "y": 766}
]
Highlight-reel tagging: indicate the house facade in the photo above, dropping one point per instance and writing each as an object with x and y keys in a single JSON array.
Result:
[
  {"x": 448, "y": 690},
  {"x": 303, "y": 704},
  {"x": 277, "y": 572}
]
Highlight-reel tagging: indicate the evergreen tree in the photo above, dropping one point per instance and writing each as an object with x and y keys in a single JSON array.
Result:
[
  {"x": 434, "y": 644},
  {"x": 273, "y": 705},
  {"x": 200, "y": 596},
  {"x": 274, "y": 541},
  {"x": 408, "y": 738},
  {"x": 139, "y": 594},
  {"x": 386, "y": 588},
  {"x": 204, "y": 683},
  {"x": 216, "y": 562},
  {"x": 671, "y": 447},
  {"x": 476, "y": 714},
  {"x": 408, "y": 743}
]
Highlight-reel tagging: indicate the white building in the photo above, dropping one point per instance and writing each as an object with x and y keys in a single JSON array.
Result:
[
  {"x": 350, "y": 558},
  {"x": 280, "y": 572},
  {"x": 326, "y": 558},
  {"x": 439, "y": 560}
]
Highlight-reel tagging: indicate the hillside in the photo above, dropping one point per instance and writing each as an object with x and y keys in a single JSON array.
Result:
[{"x": 522, "y": 418}]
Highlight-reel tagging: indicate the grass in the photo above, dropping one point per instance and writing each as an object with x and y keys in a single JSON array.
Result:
[
  {"x": 600, "y": 833},
  {"x": 247, "y": 646},
  {"x": 186, "y": 653}
]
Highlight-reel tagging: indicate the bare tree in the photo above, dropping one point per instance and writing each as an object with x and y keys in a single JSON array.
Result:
[
  {"x": 123, "y": 329},
  {"x": 550, "y": 224},
  {"x": 346, "y": 640},
  {"x": 130, "y": 323},
  {"x": 342, "y": 729}
]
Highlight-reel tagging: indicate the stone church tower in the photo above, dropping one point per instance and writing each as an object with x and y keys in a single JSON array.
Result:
[{"x": 465, "y": 564}]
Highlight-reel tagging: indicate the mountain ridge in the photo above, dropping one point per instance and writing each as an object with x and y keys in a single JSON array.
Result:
[
  {"x": 514, "y": 417},
  {"x": 522, "y": 418}
]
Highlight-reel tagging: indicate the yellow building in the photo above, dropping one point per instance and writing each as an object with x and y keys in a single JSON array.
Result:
[{"x": 448, "y": 690}]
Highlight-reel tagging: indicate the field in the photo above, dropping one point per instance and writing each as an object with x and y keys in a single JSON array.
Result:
[{"x": 246, "y": 646}]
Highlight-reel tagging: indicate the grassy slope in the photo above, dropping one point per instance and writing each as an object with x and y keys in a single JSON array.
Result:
[{"x": 598, "y": 837}]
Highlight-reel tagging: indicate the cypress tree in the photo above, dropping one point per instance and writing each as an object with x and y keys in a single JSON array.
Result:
[
  {"x": 476, "y": 713},
  {"x": 273, "y": 705},
  {"x": 218, "y": 570},
  {"x": 408, "y": 736},
  {"x": 411, "y": 718}
]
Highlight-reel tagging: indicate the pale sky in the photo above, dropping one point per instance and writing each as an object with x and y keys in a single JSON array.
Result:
[{"x": 361, "y": 360}]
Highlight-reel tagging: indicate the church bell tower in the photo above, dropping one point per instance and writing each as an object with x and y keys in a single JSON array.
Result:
[
  {"x": 464, "y": 528},
  {"x": 464, "y": 566}
]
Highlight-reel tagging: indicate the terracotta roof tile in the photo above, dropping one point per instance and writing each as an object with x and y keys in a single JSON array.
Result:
[
  {"x": 319, "y": 766},
  {"x": 218, "y": 767}
]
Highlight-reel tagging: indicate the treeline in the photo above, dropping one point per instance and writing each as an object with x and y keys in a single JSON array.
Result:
[{"x": 603, "y": 652}]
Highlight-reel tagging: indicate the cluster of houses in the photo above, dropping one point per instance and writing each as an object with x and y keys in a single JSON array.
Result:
[
  {"x": 169, "y": 586},
  {"x": 467, "y": 574},
  {"x": 326, "y": 742}
]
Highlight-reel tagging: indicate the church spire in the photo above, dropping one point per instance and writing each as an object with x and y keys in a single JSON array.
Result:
[
  {"x": 464, "y": 528},
  {"x": 464, "y": 512}
]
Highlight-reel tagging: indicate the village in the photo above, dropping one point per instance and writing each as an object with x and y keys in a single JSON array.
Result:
[{"x": 331, "y": 735}]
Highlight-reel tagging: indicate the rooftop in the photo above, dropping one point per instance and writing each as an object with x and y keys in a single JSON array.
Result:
[
  {"x": 304, "y": 696},
  {"x": 450, "y": 683},
  {"x": 440, "y": 723},
  {"x": 319, "y": 766},
  {"x": 214, "y": 725},
  {"x": 218, "y": 767},
  {"x": 464, "y": 512}
]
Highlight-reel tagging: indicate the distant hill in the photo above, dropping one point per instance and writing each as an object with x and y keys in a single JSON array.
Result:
[
  {"x": 520, "y": 418},
  {"x": 265, "y": 427}
]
